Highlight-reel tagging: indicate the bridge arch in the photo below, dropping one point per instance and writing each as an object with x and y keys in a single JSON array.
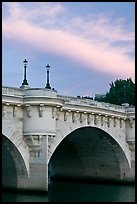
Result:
[
  {"x": 13, "y": 166},
  {"x": 89, "y": 153}
]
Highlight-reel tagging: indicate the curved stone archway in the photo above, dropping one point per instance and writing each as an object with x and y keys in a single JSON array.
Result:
[
  {"x": 89, "y": 153},
  {"x": 13, "y": 166}
]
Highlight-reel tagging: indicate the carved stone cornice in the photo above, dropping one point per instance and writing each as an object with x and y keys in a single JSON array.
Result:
[
  {"x": 34, "y": 143},
  {"x": 28, "y": 110},
  {"x": 50, "y": 140},
  {"x": 3, "y": 110},
  {"x": 41, "y": 108},
  {"x": 89, "y": 118},
  {"x": 34, "y": 140},
  {"x": 74, "y": 116},
  {"x": 131, "y": 122},
  {"x": 66, "y": 113}
]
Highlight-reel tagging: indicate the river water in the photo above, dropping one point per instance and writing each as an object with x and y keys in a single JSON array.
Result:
[
  {"x": 76, "y": 192},
  {"x": 90, "y": 192}
]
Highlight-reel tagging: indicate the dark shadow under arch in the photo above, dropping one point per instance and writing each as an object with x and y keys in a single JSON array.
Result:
[
  {"x": 89, "y": 153},
  {"x": 13, "y": 166}
]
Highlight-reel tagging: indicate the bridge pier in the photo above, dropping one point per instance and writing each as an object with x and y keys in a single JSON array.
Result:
[{"x": 38, "y": 168}]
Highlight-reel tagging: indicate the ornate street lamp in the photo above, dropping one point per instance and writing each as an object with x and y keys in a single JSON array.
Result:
[
  {"x": 25, "y": 79},
  {"x": 48, "y": 84}
]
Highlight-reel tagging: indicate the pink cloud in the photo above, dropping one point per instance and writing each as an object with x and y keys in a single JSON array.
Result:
[{"x": 99, "y": 55}]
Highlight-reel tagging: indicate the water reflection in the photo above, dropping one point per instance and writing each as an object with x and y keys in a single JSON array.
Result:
[
  {"x": 60, "y": 191},
  {"x": 87, "y": 192},
  {"x": 24, "y": 197}
]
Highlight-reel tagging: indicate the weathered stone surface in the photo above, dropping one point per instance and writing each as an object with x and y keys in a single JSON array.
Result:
[{"x": 36, "y": 122}]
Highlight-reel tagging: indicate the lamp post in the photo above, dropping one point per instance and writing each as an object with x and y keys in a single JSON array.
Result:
[
  {"x": 25, "y": 79},
  {"x": 48, "y": 84}
]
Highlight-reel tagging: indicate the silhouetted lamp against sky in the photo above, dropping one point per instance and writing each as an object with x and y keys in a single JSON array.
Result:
[
  {"x": 48, "y": 84},
  {"x": 25, "y": 83}
]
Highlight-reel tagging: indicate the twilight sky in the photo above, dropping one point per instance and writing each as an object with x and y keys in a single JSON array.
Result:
[{"x": 87, "y": 44}]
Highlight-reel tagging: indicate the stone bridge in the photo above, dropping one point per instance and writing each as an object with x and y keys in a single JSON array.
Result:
[{"x": 44, "y": 133}]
